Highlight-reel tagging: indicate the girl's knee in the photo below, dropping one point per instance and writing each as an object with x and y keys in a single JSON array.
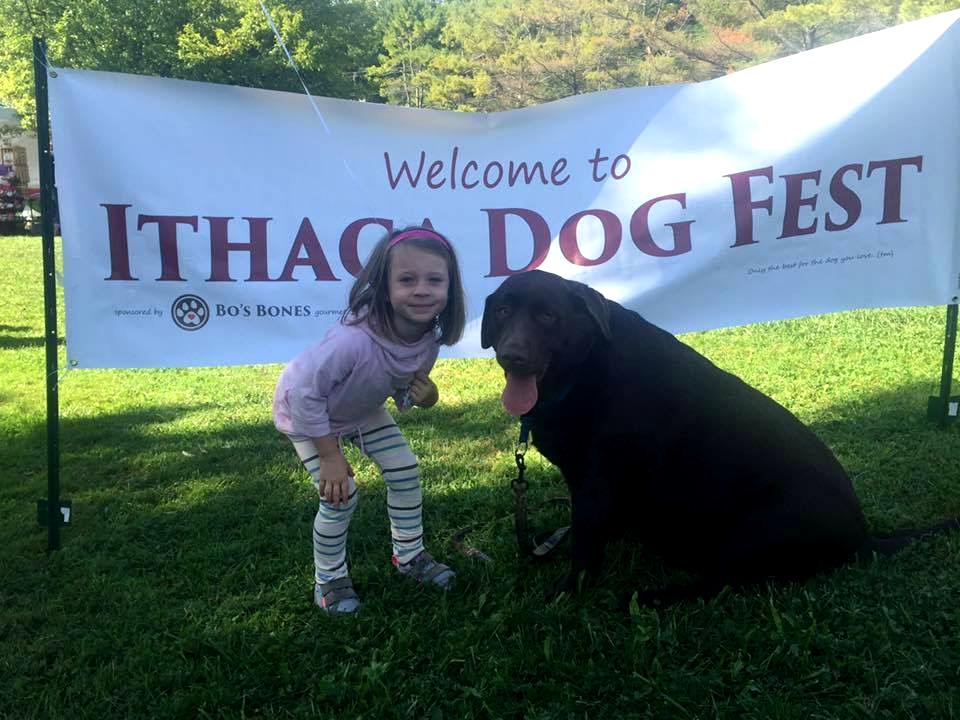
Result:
[{"x": 335, "y": 513}]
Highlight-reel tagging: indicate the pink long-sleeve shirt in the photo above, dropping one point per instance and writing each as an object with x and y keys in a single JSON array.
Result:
[{"x": 336, "y": 383}]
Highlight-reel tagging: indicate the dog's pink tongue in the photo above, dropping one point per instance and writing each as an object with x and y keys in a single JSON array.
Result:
[{"x": 520, "y": 394}]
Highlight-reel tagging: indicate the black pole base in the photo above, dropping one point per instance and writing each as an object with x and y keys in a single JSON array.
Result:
[
  {"x": 943, "y": 408},
  {"x": 943, "y": 411},
  {"x": 44, "y": 515}
]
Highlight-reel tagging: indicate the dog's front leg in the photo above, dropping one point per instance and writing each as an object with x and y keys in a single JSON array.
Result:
[{"x": 592, "y": 514}]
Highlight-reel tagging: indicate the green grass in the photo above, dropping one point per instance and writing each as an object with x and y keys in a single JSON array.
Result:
[{"x": 183, "y": 586}]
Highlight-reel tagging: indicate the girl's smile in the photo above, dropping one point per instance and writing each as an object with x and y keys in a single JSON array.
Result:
[{"x": 418, "y": 284}]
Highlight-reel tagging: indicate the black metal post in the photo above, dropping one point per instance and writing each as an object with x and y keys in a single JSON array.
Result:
[
  {"x": 946, "y": 374},
  {"x": 54, "y": 517},
  {"x": 944, "y": 408}
]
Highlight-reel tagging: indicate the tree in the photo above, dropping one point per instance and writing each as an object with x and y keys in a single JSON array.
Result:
[
  {"x": 410, "y": 31},
  {"x": 803, "y": 26},
  {"x": 132, "y": 36},
  {"x": 510, "y": 53},
  {"x": 230, "y": 41},
  {"x": 483, "y": 55},
  {"x": 720, "y": 36},
  {"x": 916, "y": 9},
  {"x": 332, "y": 44}
]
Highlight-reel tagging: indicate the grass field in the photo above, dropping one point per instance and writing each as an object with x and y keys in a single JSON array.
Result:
[{"x": 183, "y": 587}]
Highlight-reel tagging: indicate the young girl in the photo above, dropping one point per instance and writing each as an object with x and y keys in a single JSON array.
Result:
[{"x": 407, "y": 301}]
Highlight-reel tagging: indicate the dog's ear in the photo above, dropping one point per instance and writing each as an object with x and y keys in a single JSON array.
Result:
[
  {"x": 487, "y": 325},
  {"x": 596, "y": 305}
]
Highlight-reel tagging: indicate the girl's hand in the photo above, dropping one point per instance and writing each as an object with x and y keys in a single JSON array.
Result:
[
  {"x": 423, "y": 391},
  {"x": 335, "y": 474}
]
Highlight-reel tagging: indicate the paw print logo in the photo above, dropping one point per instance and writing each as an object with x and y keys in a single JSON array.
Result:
[{"x": 190, "y": 312}]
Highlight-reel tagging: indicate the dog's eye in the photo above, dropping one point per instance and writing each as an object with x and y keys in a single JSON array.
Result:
[
  {"x": 546, "y": 318},
  {"x": 503, "y": 312}
]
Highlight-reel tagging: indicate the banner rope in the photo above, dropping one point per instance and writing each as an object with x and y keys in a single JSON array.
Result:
[
  {"x": 293, "y": 64},
  {"x": 63, "y": 369},
  {"x": 44, "y": 59},
  {"x": 303, "y": 83}
]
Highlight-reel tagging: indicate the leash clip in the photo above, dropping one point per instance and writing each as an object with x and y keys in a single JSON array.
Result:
[
  {"x": 518, "y": 483},
  {"x": 521, "y": 449},
  {"x": 518, "y": 454}
]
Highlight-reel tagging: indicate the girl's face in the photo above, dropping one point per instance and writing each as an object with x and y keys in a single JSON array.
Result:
[{"x": 418, "y": 284}]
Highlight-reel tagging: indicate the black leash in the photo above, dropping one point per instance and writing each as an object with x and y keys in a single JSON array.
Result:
[
  {"x": 527, "y": 544},
  {"x": 536, "y": 547},
  {"x": 519, "y": 485}
]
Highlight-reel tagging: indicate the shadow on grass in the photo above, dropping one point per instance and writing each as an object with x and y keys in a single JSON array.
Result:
[
  {"x": 115, "y": 450},
  {"x": 149, "y": 473},
  {"x": 9, "y": 342},
  {"x": 902, "y": 464},
  {"x": 161, "y": 465},
  {"x": 157, "y": 476},
  {"x": 185, "y": 582}
]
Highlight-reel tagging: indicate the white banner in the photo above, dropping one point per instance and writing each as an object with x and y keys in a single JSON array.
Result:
[{"x": 214, "y": 225}]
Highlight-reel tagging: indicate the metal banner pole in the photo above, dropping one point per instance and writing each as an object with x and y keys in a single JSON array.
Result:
[
  {"x": 944, "y": 408},
  {"x": 56, "y": 514}
]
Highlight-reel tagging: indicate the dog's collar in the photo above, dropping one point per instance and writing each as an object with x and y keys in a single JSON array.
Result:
[
  {"x": 526, "y": 422},
  {"x": 545, "y": 406}
]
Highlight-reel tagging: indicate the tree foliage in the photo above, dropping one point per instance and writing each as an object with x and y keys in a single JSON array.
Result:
[
  {"x": 230, "y": 41},
  {"x": 497, "y": 54},
  {"x": 410, "y": 35},
  {"x": 332, "y": 44},
  {"x": 720, "y": 36},
  {"x": 482, "y": 55}
]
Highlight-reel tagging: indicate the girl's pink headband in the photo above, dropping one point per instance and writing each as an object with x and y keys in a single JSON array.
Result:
[{"x": 425, "y": 234}]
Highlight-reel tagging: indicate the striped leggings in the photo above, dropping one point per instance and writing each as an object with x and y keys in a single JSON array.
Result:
[{"x": 379, "y": 438}]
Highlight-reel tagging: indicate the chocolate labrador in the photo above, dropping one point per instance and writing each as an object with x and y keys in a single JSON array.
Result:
[{"x": 655, "y": 441}]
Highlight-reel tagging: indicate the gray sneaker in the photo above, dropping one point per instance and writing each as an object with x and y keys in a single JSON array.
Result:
[
  {"x": 336, "y": 597},
  {"x": 424, "y": 569}
]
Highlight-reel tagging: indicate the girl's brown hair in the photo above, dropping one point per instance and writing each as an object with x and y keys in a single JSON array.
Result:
[{"x": 370, "y": 294}]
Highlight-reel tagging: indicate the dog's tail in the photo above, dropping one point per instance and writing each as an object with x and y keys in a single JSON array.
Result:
[{"x": 890, "y": 544}]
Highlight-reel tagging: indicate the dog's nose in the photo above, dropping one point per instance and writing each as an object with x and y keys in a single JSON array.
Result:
[{"x": 512, "y": 354}]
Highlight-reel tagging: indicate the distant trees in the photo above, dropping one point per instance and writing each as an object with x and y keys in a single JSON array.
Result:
[
  {"x": 481, "y": 55},
  {"x": 334, "y": 42},
  {"x": 407, "y": 67},
  {"x": 490, "y": 55},
  {"x": 719, "y": 36},
  {"x": 496, "y": 54}
]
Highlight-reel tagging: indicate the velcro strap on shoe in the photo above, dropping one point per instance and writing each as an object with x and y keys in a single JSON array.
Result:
[
  {"x": 337, "y": 590},
  {"x": 436, "y": 571}
]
